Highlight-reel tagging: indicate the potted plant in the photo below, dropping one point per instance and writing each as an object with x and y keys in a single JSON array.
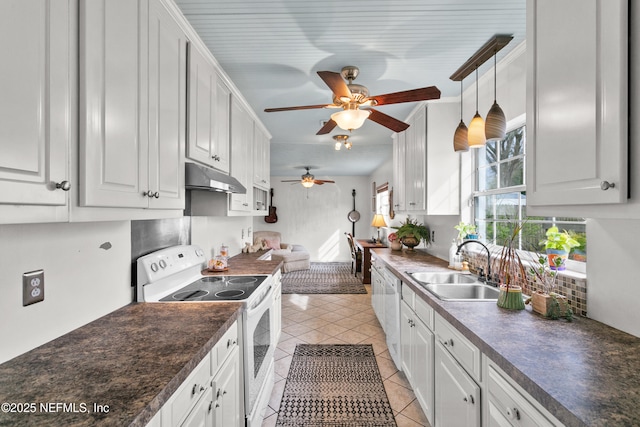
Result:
[
  {"x": 410, "y": 233},
  {"x": 466, "y": 231},
  {"x": 510, "y": 270},
  {"x": 395, "y": 243},
  {"x": 546, "y": 301},
  {"x": 579, "y": 253},
  {"x": 558, "y": 244}
]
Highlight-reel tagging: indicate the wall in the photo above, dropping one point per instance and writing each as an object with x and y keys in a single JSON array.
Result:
[
  {"x": 317, "y": 217},
  {"x": 82, "y": 280},
  {"x": 212, "y": 232}
]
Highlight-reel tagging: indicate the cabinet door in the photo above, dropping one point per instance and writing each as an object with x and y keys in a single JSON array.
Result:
[
  {"x": 442, "y": 163},
  {"x": 35, "y": 116},
  {"x": 241, "y": 156},
  {"x": 577, "y": 104},
  {"x": 423, "y": 367},
  {"x": 202, "y": 413},
  {"x": 113, "y": 103},
  {"x": 457, "y": 396},
  {"x": 399, "y": 167},
  {"x": 261, "y": 159},
  {"x": 167, "y": 108},
  {"x": 208, "y": 113},
  {"x": 227, "y": 399},
  {"x": 406, "y": 341},
  {"x": 418, "y": 159}
]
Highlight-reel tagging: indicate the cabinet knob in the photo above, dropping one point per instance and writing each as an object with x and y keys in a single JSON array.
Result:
[
  {"x": 216, "y": 157},
  {"x": 469, "y": 400},
  {"x": 64, "y": 186},
  {"x": 156, "y": 195},
  {"x": 513, "y": 413},
  {"x": 448, "y": 343},
  {"x": 605, "y": 185},
  {"x": 149, "y": 194}
]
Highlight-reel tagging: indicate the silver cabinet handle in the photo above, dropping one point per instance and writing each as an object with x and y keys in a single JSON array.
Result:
[
  {"x": 513, "y": 413},
  {"x": 448, "y": 343},
  {"x": 149, "y": 194},
  {"x": 605, "y": 185},
  {"x": 193, "y": 390},
  {"x": 470, "y": 399},
  {"x": 64, "y": 186}
]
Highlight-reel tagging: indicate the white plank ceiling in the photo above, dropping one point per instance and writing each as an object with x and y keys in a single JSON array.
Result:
[{"x": 272, "y": 49}]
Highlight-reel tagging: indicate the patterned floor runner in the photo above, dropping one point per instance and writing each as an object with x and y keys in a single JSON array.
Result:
[
  {"x": 323, "y": 278},
  {"x": 336, "y": 386}
]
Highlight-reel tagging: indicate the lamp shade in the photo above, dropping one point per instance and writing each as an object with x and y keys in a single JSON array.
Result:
[
  {"x": 350, "y": 119},
  {"x": 460, "y": 138},
  {"x": 378, "y": 221},
  {"x": 495, "y": 127},
  {"x": 477, "y": 138}
]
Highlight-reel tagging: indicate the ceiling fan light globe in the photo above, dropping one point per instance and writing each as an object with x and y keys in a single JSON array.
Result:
[
  {"x": 307, "y": 183},
  {"x": 337, "y": 146},
  {"x": 476, "y": 136},
  {"x": 495, "y": 125},
  {"x": 350, "y": 119},
  {"x": 348, "y": 144}
]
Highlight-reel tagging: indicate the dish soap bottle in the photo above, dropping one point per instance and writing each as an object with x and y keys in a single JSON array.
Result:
[{"x": 452, "y": 254}]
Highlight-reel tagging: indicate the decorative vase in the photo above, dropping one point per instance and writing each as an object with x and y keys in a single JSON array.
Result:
[
  {"x": 511, "y": 298},
  {"x": 557, "y": 259},
  {"x": 471, "y": 237},
  {"x": 396, "y": 245},
  {"x": 410, "y": 242}
]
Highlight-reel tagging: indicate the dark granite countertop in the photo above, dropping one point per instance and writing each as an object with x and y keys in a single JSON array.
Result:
[
  {"x": 132, "y": 360},
  {"x": 248, "y": 264},
  {"x": 584, "y": 372}
]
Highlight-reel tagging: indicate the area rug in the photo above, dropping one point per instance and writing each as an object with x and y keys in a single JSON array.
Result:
[
  {"x": 334, "y": 385},
  {"x": 323, "y": 278}
]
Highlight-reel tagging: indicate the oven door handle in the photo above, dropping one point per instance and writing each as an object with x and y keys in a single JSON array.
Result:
[{"x": 258, "y": 305}]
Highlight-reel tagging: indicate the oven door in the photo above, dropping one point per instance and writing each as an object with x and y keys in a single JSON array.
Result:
[{"x": 260, "y": 347}]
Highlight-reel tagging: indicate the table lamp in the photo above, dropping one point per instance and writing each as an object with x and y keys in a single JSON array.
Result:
[{"x": 378, "y": 221}]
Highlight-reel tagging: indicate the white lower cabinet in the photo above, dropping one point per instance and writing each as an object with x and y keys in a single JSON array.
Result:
[
  {"x": 508, "y": 405},
  {"x": 377, "y": 294},
  {"x": 211, "y": 395},
  {"x": 417, "y": 341},
  {"x": 277, "y": 306},
  {"x": 457, "y": 400}
]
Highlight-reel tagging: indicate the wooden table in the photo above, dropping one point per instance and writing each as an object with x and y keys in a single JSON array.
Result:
[{"x": 365, "y": 246}]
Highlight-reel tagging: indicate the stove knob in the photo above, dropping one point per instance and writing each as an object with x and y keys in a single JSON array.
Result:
[
  {"x": 163, "y": 263},
  {"x": 199, "y": 252},
  {"x": 154, "y": 267}
]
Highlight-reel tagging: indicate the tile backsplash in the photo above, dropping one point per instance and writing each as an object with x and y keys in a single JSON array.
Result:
[{"x": 571, "y": 285}]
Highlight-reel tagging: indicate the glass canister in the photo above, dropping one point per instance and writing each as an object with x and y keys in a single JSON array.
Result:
[{"x": 224, "y": 251}]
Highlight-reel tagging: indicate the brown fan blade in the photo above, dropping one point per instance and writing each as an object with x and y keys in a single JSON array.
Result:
[
  {"x": 387, "y": 121},
  {"x": 413, "y": 95},
  {"x": 328, "y": 127},
  {"x": 301, "y": 107},
  {"x": 336, "y": 83},
  {"x": 291, "y": 180},
  {"x": 323, "y": 181}
]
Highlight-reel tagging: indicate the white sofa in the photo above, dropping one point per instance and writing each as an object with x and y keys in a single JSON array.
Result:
[{"x": 294, "y": 257}]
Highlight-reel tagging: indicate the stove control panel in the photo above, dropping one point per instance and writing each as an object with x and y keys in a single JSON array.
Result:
[{"x": 166, "y": 262}]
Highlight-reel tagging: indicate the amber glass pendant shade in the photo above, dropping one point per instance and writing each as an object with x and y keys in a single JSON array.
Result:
[{"x": 460, "y": 138}]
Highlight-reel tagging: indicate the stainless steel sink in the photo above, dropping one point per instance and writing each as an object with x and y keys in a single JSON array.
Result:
[
  {"x": 427, "y": 277},
  {"x": 463, "y": 291}
]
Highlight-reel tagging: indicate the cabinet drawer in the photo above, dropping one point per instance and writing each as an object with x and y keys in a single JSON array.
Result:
[
  {"x": 507, "y": 403},
  {"x": 465, "y": 353},
  {"x": 424, "y": 311},
  {"x": 188, "y": 394},
  {"x": 408, "y": 296},
  {"x": 224, "y": 347}
]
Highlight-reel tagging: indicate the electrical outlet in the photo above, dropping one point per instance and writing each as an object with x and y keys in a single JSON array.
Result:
[
  {"x": 32, "y": 287},
  {"x": 433, "y": 236}
]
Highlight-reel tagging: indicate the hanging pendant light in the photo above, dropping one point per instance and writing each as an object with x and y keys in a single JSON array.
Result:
[
  {"x": 460, "y": 140},
  {"x": 477, "y": 138},
  {"x": 495, "y": 126}
]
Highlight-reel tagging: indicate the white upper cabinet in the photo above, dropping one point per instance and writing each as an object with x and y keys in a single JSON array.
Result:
[
  {"x": 132, "y": 105},
  {"x": 209, "y": 104},
  {"x": 577, "y": 97},
  {"x": 261, "y": 158},
  {"x": 113, "y": 134},
  {"x": 35, "y": 112},
  {"x": 426, "y": 169},
  {"x": 241, "y": 156},
  {"x": 167, "y": 108}
]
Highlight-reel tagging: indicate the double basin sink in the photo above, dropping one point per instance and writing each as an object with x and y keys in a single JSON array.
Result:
[{"x": 455, "y": 286}]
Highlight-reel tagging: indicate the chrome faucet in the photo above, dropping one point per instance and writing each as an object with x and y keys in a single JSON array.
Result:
[{"x": 488, "y": 276}]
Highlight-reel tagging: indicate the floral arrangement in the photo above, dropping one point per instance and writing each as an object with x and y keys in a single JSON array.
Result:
[{"x": 392, "y": 237}]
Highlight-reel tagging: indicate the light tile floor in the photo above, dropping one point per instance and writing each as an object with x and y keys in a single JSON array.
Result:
[{"x": 339, "y": 319}]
